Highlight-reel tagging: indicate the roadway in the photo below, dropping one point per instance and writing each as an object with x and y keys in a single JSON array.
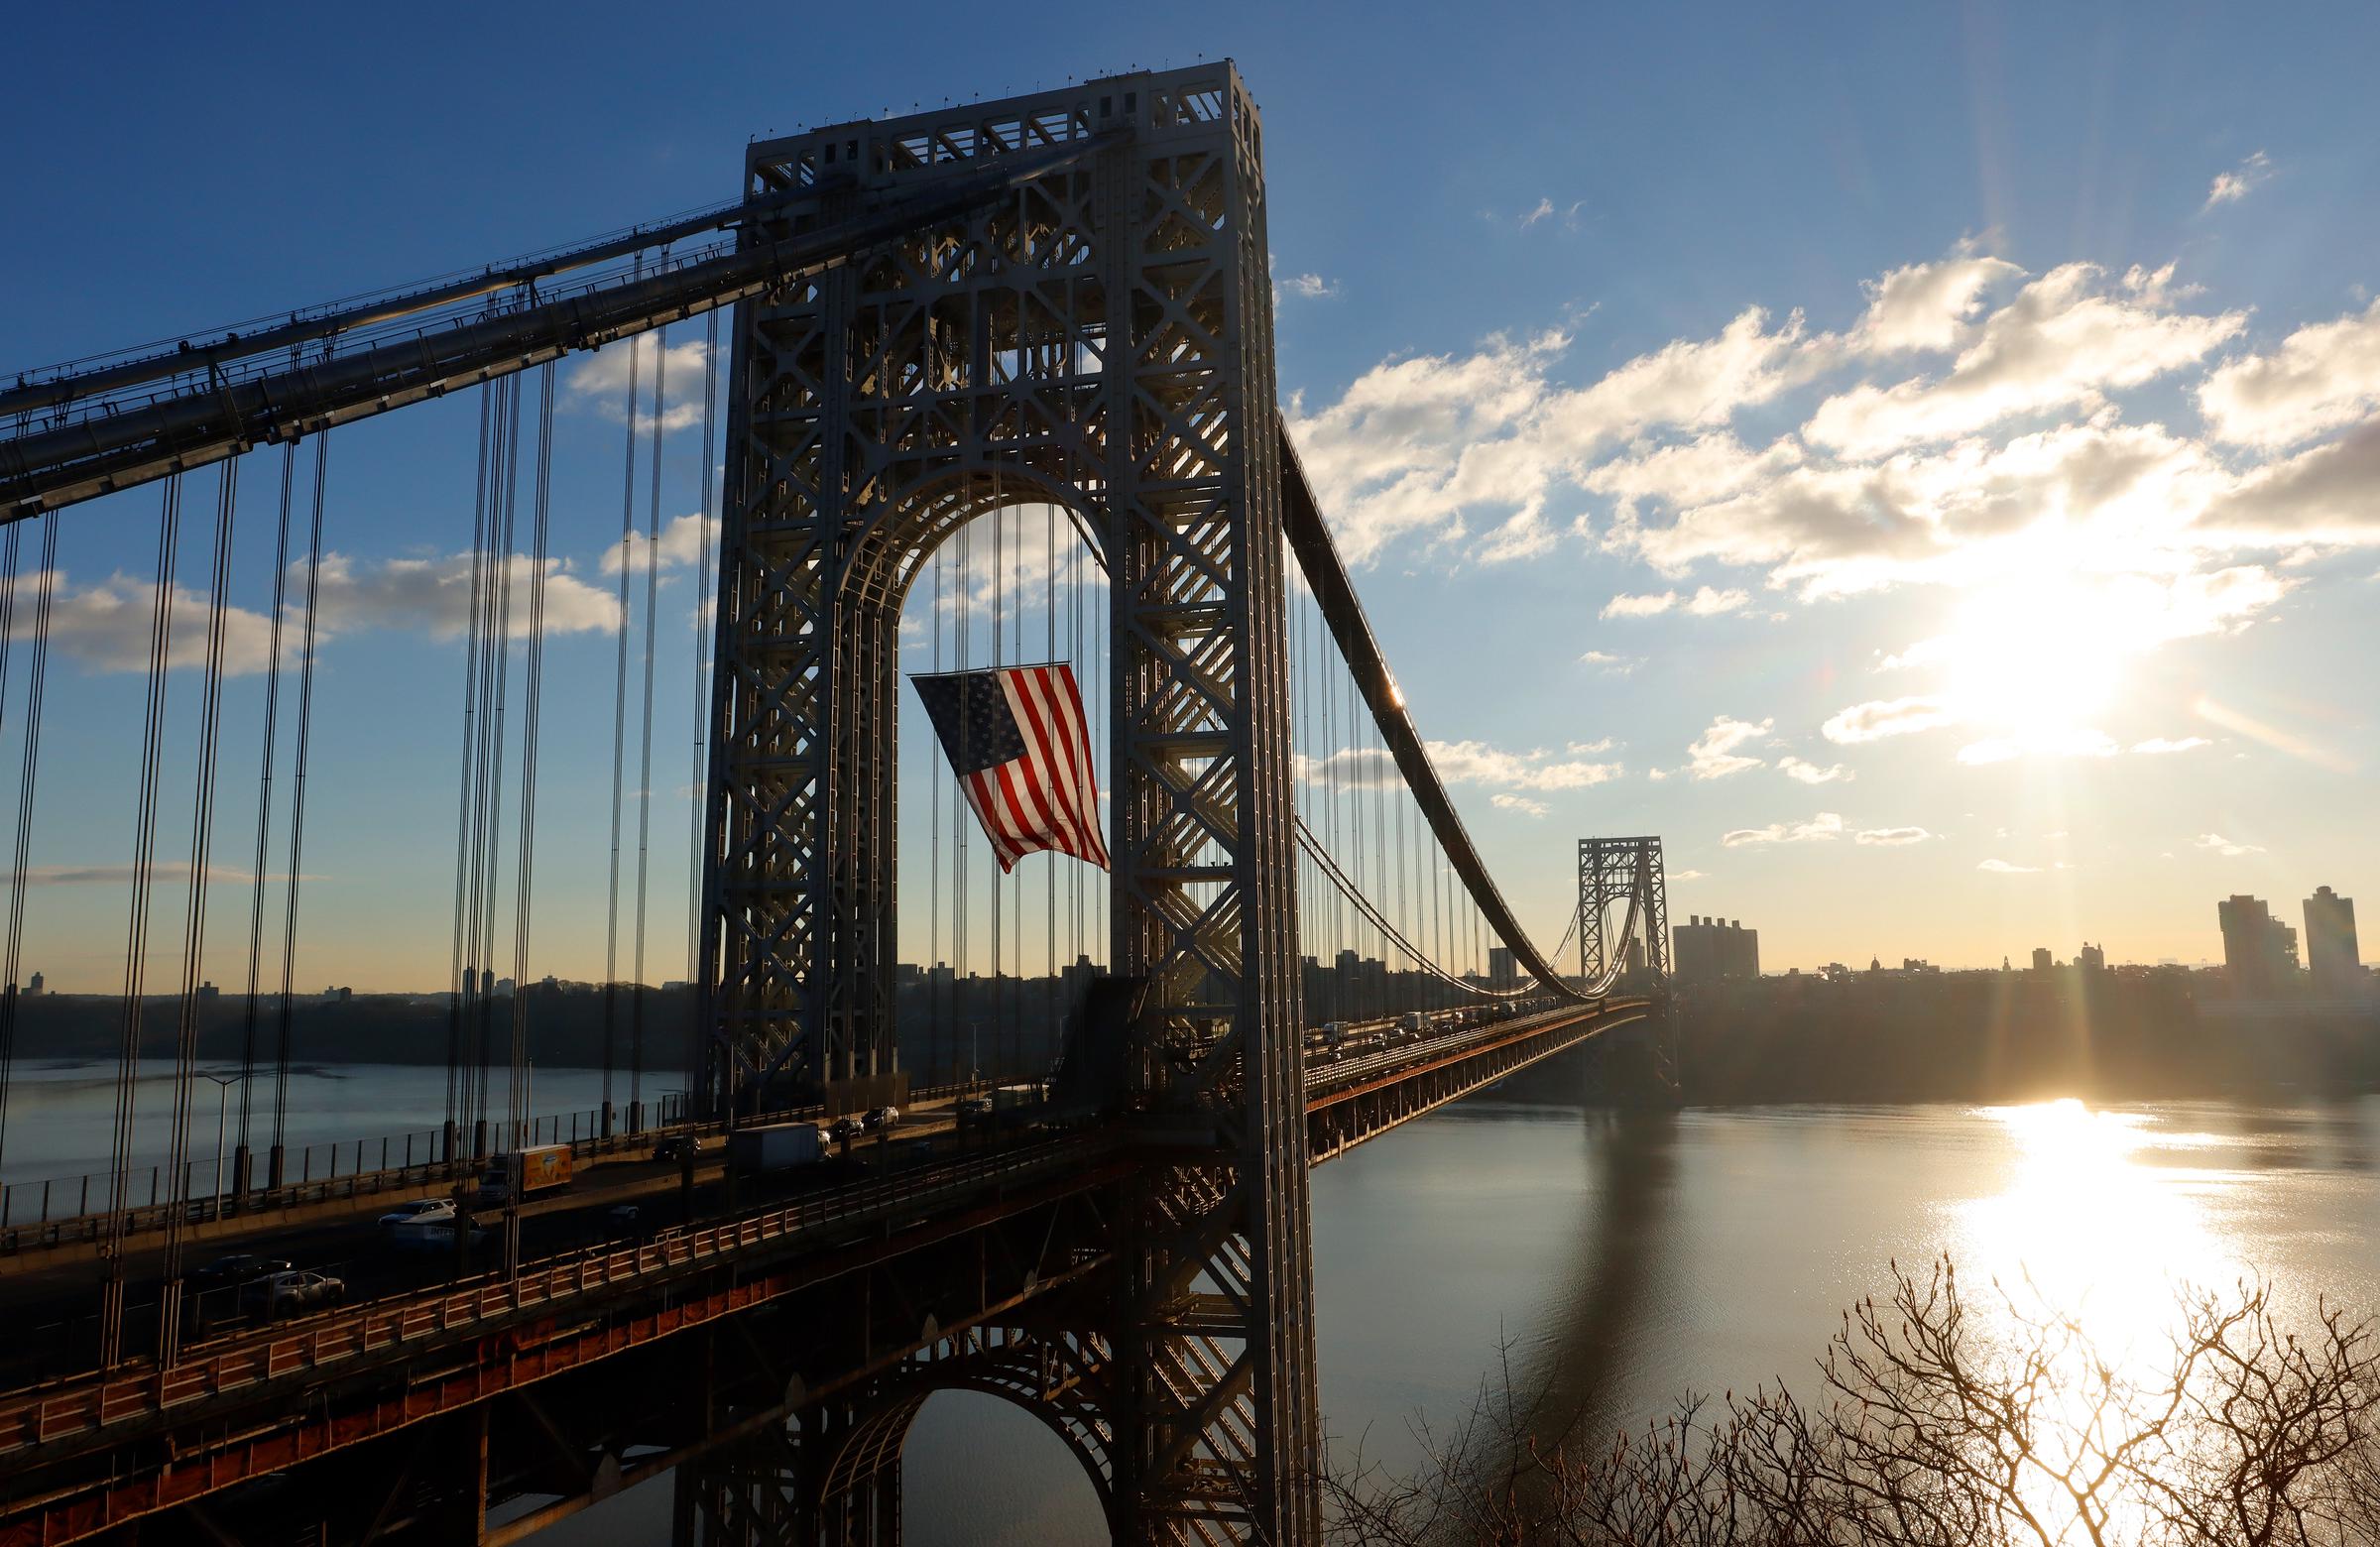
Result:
[
  {"x": 343, "y": 1239},
  {"x": 55, "y": 1293}
]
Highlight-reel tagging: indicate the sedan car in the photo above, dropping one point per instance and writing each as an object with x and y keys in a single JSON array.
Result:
[
  {"x": 421, "y": 1208},
  {"x": 240, "y": 1268},
  {"x": 292, "y": 1294}
]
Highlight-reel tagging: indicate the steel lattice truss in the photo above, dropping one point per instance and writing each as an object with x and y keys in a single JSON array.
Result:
[
  {"x": 1622, "y": 871},
  {"x": 1101, "y": 337}
]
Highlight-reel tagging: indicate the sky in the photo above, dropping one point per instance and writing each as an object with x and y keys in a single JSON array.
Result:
[{"x": 1919, "y": 461}]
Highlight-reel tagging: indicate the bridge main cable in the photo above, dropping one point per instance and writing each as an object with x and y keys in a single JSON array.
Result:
[
  {"x": 1325, "y": 574},
  {"x": 219, "y": 417}
]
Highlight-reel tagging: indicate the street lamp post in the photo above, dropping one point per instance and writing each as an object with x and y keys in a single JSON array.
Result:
[{"x": 223, "y": 1084}]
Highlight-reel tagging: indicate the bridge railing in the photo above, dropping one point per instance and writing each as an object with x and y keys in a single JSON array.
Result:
[
  {"x": 57, "y": 1212},
  {"x": 335, "y": 1338}
]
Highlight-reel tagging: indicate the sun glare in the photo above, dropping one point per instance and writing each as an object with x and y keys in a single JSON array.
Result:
[
  {"x": 2091, "y": 1223},
  {"x": 2033, "y": 662}
]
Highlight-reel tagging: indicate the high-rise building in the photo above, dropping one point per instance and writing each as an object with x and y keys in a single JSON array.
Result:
[
  {"x": 2260, "y": 951},
  {"x": 2041, "y": 958},
  {"x": 2330, "y": 950},
  {"x": 1503, "y": 969},
  {"x": 2091, "y": 958},
  {"x": 1709, "y": 949}
]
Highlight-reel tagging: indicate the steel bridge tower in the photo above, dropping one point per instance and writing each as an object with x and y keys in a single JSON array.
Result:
[
  {"x": 1614, "y": 871},
  {"x": 1100, "y": 338}
]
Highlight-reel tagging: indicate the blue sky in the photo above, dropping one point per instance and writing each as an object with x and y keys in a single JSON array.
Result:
[{"x": 1987, "y": 389}]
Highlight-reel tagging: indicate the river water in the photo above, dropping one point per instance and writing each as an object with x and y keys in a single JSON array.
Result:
[{"x": 1613, "y": 1262}]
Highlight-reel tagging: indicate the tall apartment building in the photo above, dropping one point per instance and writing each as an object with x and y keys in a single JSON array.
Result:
[
  {"x": 2260, "y": 950},
  {"x": 1709, "y": 949},
  {"x": 2330, "y": 951}
]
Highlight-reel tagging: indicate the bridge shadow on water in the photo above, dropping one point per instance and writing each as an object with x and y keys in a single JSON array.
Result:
[{"x": 1577, "y": 1375}]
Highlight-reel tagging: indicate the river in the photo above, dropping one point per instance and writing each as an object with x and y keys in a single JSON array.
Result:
[{"x": 1617, "y": 1261}]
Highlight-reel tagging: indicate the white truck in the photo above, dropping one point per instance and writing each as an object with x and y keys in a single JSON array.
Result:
[{"x": 780, "y": 1146}]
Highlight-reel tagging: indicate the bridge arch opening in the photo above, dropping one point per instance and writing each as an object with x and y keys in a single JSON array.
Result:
[
  {"x": 977, "y": 1469},
  {"x": 979, "y": 570}
]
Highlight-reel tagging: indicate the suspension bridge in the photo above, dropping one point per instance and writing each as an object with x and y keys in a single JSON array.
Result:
[{"x": 1000, "y": 373}]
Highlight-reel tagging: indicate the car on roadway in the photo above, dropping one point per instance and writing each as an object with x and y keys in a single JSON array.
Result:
[
  {"x": 881, "y": 1118},
  {"x": 240, "y": 1268},
  {"x": 971, "y": 1110},
  {"x": 291, "y": 1294},
  {"x": 847, "y": 1127},
  {"x": 677, "y": 1146},
  {"x": 418, "y": 1212}
]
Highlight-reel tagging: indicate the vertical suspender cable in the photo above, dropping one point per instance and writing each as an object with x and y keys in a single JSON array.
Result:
[
  {"x": 193, "y": 928},
  {"x": 698, "y": 782},
  {"x": 611, "y": 927},
  {"x": 999, "y": 658},
  {"x": 8, "y": 980},
  {"x": 1017, "y": 877},
  {"x": 35, "y": 680},
  {"x": 136, "y": 942},
  {"x": 937, "y": 1033},
  {"x": 961, "y": 962},
  {"x": 459, "y": 1122},
  {"x": 652, "y": 601},
  {"x": 264, "y": 817},
  {"x": 1051, "y": 1009},
  {"x": 495, "y": 657},
  {"x": 297, "y": 772},
  {"x": 533, "y": 681}
]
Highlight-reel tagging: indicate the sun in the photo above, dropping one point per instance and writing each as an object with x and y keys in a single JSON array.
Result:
[{"x": 2034, "y": 660}]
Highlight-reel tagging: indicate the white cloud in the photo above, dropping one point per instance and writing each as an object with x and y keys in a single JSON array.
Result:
[
  {"x": 1310, "y": 286},
  {"x": 684, "y": 541},
  {"x": 1810, "y": 773},
  {"x": 1892, "y": 837},
  {"x": 2218, "y": 844},
  {"x": 1459, "y": 763},
  {"x": 1476, "y": 762},
  {"x": 1713, "y": 753},
  {"x": 123, "y": 875},
  {"x": 1421, "y": 444},
  {"x": 1707, "y": 602},
  {"x": 1823, "y": 827},
  {"x": 1927, "y": 305},
  {"x": 1521, "y": 804},
  {"x": 2066, "y": 340},
  {"x": 1685, "y": 875},
  {"x": 2157, "y": 746},
  {"x": 1589, "y": 749},
  {"x": 105, "y": 627},
  {"x": 2233, "y": 186},
  {"x": 1883, "y": 717},
  {"x": 2003, "y": 868},
  {"x": 435, "y": 596},
  {"x": 2057, "y": 742},
  {"x": 1616, "y": 666},
  {"x": 2323, "y": 375},
  {"x": 1544, "y": 210},
  {"x": 600, "y": 381},
  {"x": 1640, "y": 606}
]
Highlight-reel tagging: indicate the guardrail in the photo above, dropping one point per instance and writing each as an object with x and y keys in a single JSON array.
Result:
[
  {"x": 335, "y": 1337},
  {"x": 43, "y": 1233}
]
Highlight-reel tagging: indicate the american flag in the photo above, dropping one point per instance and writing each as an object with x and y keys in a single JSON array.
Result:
[{"x": 1017, "y": 741}]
